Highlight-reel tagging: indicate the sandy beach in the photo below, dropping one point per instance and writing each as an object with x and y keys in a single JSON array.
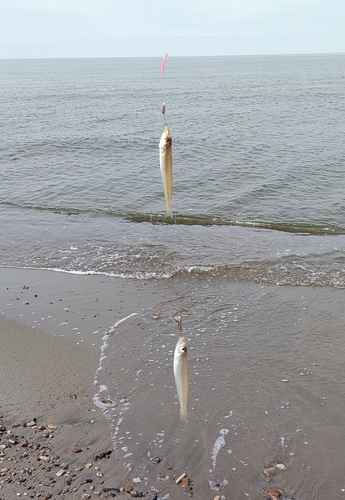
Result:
[
  {"x": 88, "y": 404},
  {"x": 54, "y": 441}
]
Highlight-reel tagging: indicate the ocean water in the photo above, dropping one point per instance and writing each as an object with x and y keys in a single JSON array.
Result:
[
  {"x": 253, "y": 258},
  {"x": 258, "y": 155}
]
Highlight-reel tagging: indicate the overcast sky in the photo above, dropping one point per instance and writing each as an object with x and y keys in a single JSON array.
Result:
[{"x": 136, "y": 28}]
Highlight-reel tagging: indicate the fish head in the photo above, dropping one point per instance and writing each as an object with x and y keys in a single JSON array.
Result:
[
  {"x": 181, "y": 348},
  {"x": 166, "y": 139}
]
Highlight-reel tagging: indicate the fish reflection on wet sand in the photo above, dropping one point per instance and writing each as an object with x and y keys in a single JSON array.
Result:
[{"x": 181, "y": 372}]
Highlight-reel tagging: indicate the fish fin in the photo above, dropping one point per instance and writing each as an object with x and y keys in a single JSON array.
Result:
[
  {"x": 168, "y": 212},
  {"x": 183, "y": 415}
]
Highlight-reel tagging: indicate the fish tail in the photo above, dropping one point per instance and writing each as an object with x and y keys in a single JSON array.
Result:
[
  {"x": 168, "y": 212},
  {"x": 183, "y": 415}
]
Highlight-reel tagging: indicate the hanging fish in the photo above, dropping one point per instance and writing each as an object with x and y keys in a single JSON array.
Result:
[
  {"x": 163, "y": 64},
  {"x": 165, "y": 161},
  {"x": 181, "y": 372}
]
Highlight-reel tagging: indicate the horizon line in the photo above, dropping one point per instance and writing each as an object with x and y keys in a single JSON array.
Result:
[{"x": 172, "y": 56}]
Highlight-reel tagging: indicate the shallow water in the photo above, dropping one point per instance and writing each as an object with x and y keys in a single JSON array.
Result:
[{"x": 266, "y": 377}]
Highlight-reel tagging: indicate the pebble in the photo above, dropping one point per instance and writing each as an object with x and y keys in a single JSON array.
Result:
[
  {"x": 104, "y": 454},
  {"x": 179, "y": 479},
  {"x": 185, "y": 481},
  {"x": 270, "y": 471},
  {"x": 35, "y": 462},
  {"x": 162, "y": 478},
  {"x": 32, "y": 423},
  {"x": 274, "y": 494},
  {"x": 274, "y": 470},
  {"x": 76, "y": 449},
  {"x": 217, "y": 497}
]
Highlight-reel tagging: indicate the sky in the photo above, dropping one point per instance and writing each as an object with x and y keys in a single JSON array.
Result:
[{"x": 147, "y": 28}]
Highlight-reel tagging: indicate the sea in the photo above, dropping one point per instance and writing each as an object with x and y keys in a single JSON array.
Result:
[{"x": 253, "y": 258}]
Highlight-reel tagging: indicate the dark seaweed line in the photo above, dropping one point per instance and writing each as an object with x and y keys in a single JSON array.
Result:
[
  {"x": 289, "y": 227},
  {"x": 308, "y": 228}
]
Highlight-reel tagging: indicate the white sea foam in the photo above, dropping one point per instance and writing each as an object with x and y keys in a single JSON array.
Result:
[
  {"x": 218, "y": 445},
  {"x": 97, "y": 399}
]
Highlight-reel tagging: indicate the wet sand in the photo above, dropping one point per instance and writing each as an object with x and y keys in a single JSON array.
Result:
[
  {"x": 54, "y": 442},
  {"x": 266, "y": 387}
]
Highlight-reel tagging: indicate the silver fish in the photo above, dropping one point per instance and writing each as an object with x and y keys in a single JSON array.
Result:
[
  {"x": 165, "y": 161},
  {"x": 181, "y": 376}
]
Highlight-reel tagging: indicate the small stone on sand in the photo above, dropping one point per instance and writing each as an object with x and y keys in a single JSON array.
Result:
[
  {"x": 76, "y": 449},
  {"x": 179, "y": 479},
  {"x": 185, "y": 481},
  {"x": 274, "y": 493}
]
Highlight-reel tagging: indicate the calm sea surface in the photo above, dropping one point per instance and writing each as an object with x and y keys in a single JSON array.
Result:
[
  {"x": 253, "y": 258},
  {"x": 258, "y": 154}
]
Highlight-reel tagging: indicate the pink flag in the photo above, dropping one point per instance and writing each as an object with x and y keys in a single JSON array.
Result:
[{"x": 163, "y": 64}]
